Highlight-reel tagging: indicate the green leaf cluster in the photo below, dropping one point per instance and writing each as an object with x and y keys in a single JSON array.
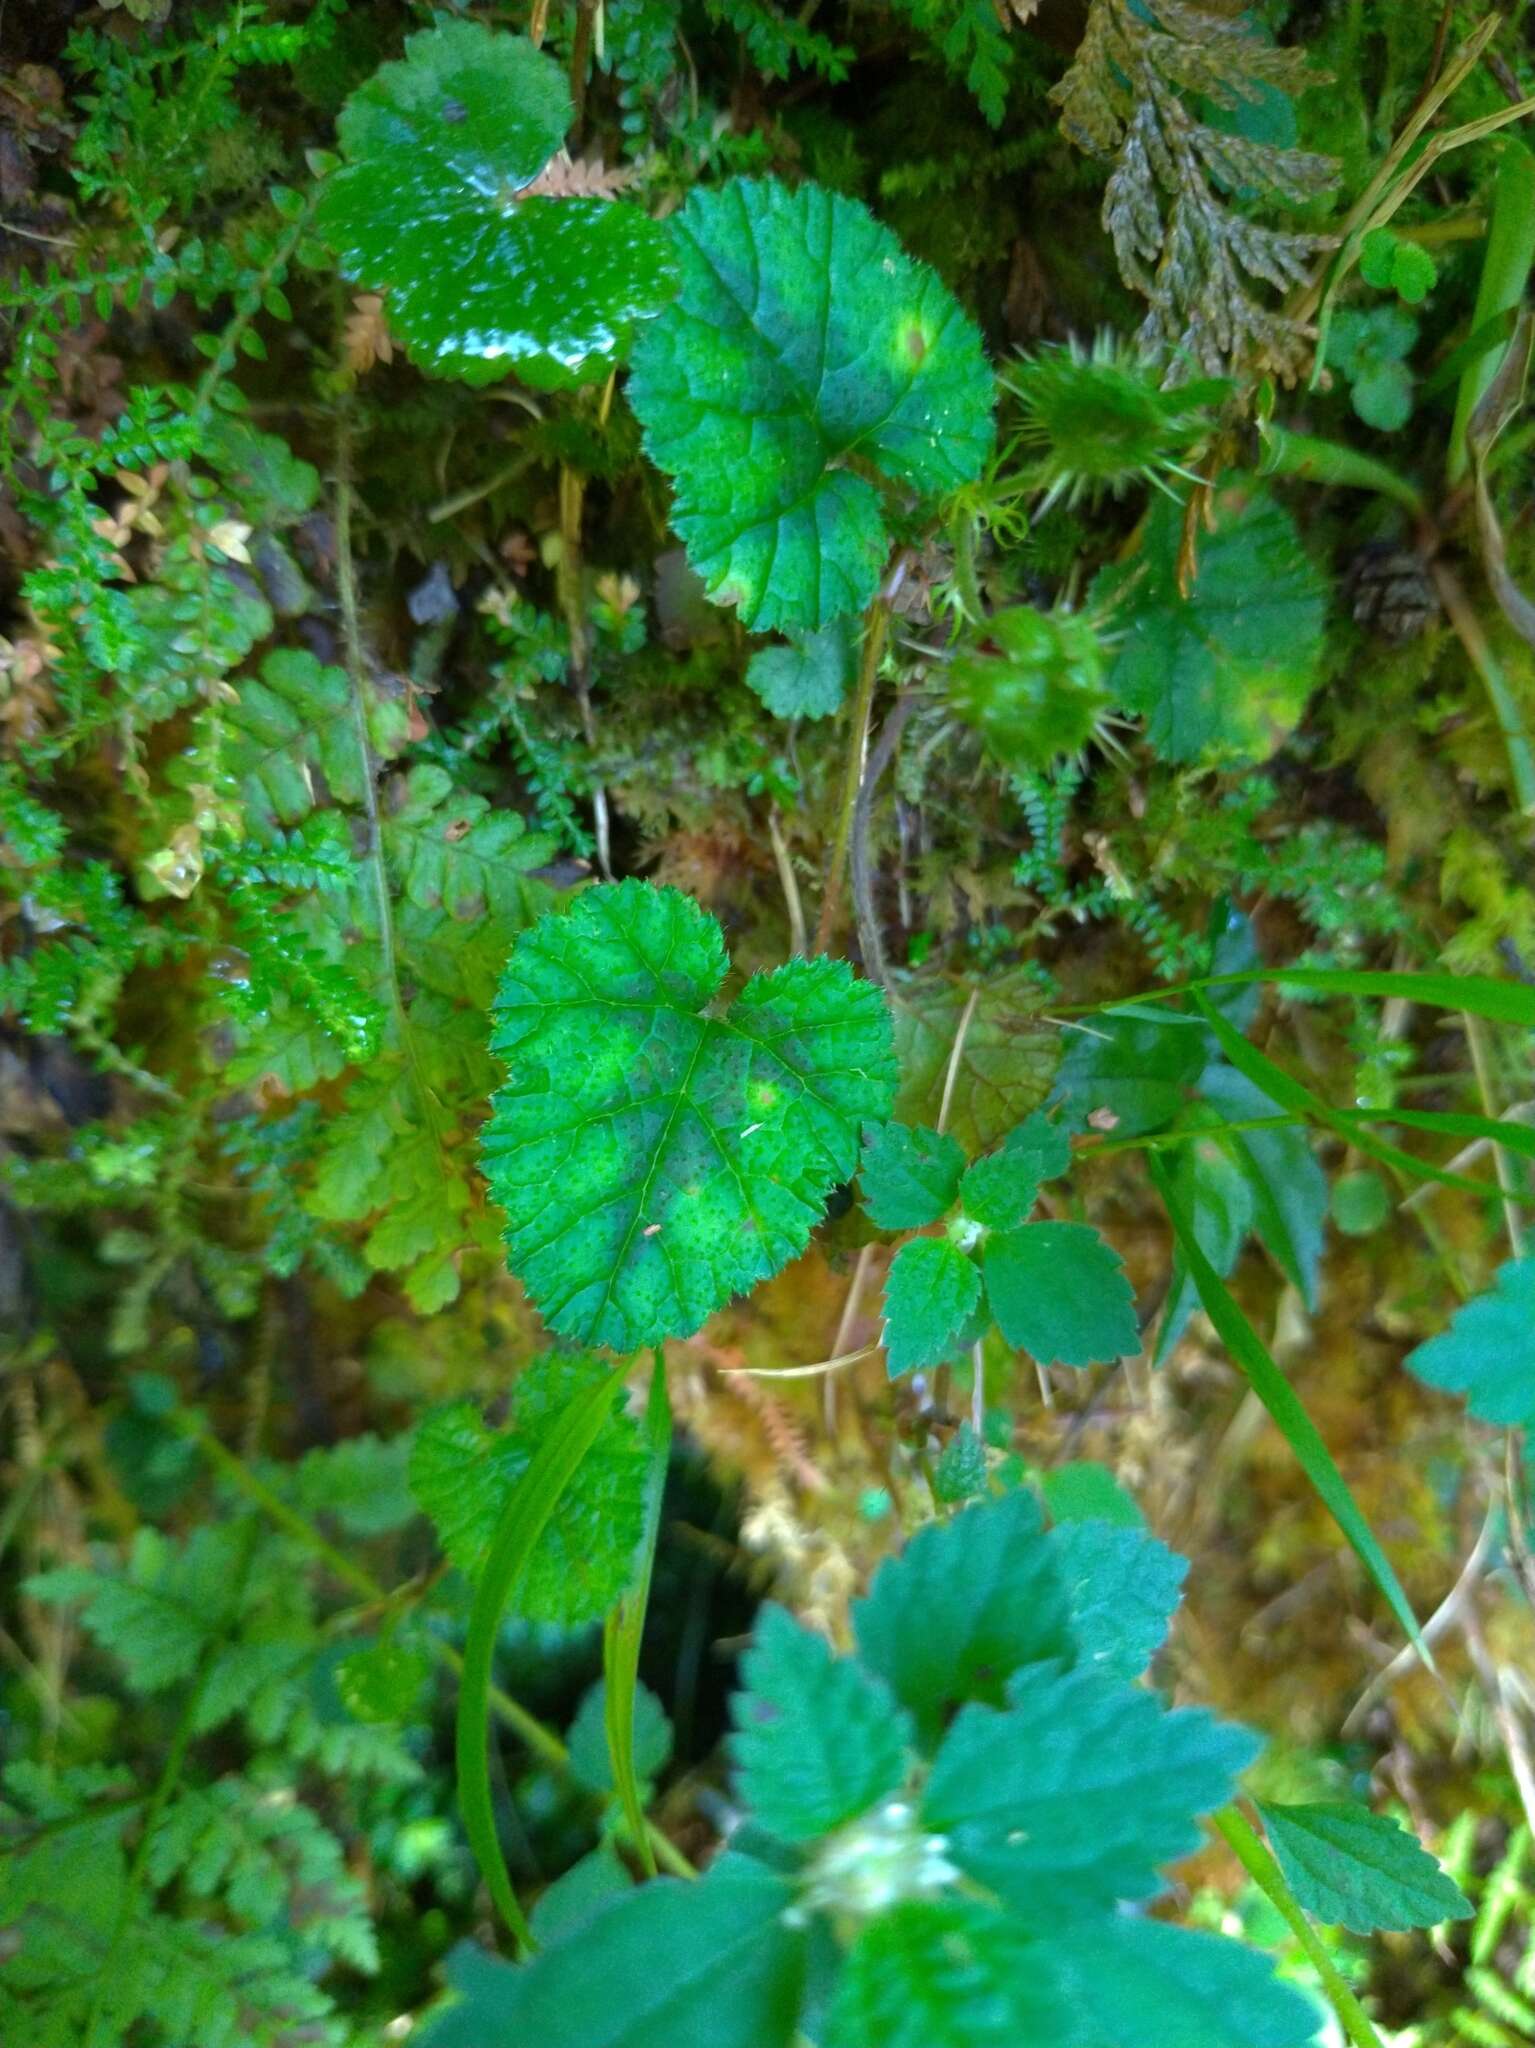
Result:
[
  {"x": 941, "y": 1830},
  {"x": 1056, "y": 1290}
]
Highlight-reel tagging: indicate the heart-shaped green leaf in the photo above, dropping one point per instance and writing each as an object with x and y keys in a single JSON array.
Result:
[
  {"x": 804, "y": 341},
  {"x": 654, "y": 1159},
  {"x": 481, "y": 282}
]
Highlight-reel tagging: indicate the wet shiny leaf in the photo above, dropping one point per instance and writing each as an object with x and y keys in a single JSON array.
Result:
[{"x": 426, "y": 206}]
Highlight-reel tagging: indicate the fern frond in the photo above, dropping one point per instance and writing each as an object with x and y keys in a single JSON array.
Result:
[{"x": 1172, "y": 199}]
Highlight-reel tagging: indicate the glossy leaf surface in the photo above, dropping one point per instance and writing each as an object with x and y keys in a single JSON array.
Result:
[{"x": 426, "y": 206}]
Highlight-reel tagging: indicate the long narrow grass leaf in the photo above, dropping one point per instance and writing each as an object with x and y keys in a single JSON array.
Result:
[
  {"x": 1291, "y": 1094},
  {"x": 1285, "y": 1406},
  {"x": 522, "y": 1522},
  {"x": 1502, "y": 1002},
  {"x": 1504, "y": 1131},
  {"x": 626, "y": 1624}
]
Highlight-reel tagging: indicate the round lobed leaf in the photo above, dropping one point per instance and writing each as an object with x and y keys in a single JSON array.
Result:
[
  {"x": 654, "y": 1159},
  {"x": 804, "y": 340},
  {"x": 426, "y": 206}
]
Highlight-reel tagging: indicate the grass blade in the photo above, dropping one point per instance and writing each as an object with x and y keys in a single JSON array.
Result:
[
  {"x": 1505, "y": 1131},
  {"x": 626, "y": 1624},
  {"x": 1503, "y": 1002},
  {"x": 1286, "y": 1407},
  {"x": 522, "y": 1522},
  {"x": 1294, "y": 1095}
]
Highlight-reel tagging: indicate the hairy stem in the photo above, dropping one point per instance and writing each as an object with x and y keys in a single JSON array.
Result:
[
  {"x": 876, "y": 627},
  {"x": 356, "y": 669},
  {"x": 870, "y": 944},
  {"x": 570, "y": 584}
]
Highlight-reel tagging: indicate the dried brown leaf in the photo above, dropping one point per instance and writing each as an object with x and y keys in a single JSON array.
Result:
[{"x": 365, "y": 337}]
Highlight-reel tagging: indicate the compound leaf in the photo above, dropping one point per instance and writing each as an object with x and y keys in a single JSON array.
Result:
[
  {"x": 818, "y": 1739},
  {"x": 965, "y": 1605},
  {"x": 910, "y": 1175},
  {"x": 1226, "y": 671},
  {"x": 165, "y": 1611},
  {"x": 803, "y": 337},
  {"x": 1356, "y": 1869},
  {"x": 1488, "y": 1352},
  {"x": 930, "y": 1295},
  {"x": 945, "y": 1973},
  {"x": 653, "y": 1159},
  {"x": 293, "y": 724},
  {"x": 1061, "y": 1293},
  {"x": 1079, "y": 1792},
  {"x": 482, "y": 282},
  {"x": 451, "y": 851}
]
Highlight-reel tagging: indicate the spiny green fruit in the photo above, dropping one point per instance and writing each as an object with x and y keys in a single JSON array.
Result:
[
  {"x": 1097, "y": 421},
  {"x": 1031, "y": 684}
]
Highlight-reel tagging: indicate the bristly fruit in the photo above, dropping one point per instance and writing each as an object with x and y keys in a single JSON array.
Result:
[
  {"x": 1031, "y": 684},
  {"x": 1096, "y": 421}
]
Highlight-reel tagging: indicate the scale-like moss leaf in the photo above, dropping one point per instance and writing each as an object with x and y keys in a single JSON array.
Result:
[
  {"x": 481, "y": 282},
  {"x": 805, "y": 347},
  {"x": 654, "y": 1159}
]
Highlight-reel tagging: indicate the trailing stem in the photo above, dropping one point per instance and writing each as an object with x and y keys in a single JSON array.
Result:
[{"x": 876, "y": 628}]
